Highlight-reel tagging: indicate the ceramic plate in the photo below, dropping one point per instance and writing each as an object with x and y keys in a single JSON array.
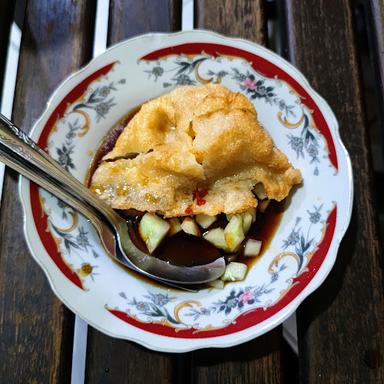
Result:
[{"x": 303, "y": 250}]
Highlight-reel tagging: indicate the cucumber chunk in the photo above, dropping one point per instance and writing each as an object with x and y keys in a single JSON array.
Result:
[
  {"x": 247, "y": 221},
  {"x": 153, "y": 229},
  {"x": 189, "y": 226},
  {"x": 229, "y": 216},
  {"x": 175, "y": 226},
  {"x": 252, "y": 248},
  {"x": 205, "y": 221},
  {"x": 234, "y": 272},
  {"x": 234, "y": 233},
  {"x": 217, "y": 238},
  {"x": 218, "y": 284}
]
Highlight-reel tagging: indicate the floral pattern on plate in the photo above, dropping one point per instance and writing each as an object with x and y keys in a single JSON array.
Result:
[
  {"x": 176, "y": 70},
  {"x": 300, "y": 254},
  {"x": 297, "y": 249},
  {"x": 74, "y": 237}
]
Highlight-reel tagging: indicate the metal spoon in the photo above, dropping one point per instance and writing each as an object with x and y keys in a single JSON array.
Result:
[{"x": 21, "y": 153}]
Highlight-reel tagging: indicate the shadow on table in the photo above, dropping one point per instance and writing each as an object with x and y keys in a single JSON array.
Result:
[
  {"x": 261, "y": 347},
  {"x": 265, "y": 356}
]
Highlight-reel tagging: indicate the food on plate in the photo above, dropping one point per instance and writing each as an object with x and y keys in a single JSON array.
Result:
[
  {"x": 152, "y": 230},
  {"x": 198, "y": 162},
  {"x": 234, "y": 272},
  {"x": 217, "y": 238},
  {"x": 218, "y": 284},
  {"x": 175, "y": 226},
  {"x": 234, "y": 233},
  {"x": 189, "y": 226},
  {"x": 205, "y": 221},
  {"x": 252, "y": 248}
]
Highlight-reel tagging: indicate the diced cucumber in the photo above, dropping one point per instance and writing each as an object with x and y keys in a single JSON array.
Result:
[
  {"x": 229, "y": 216},
  {"x": 259, "y": 191},
  {"x": 205, "y": 221},
  {"x": 189, "y": 226},
  {"x": 153, "y": 229},
  {"x": 234, "y": 272},
  {"x": 217, "y": 238},
  {"x": 252, "y": 248},
  {"x": 175, "y": 226},
  {"x": 234, "y": 233},
  {"x": 252, "y": 211},
  {"x": 218, "y": 284},
  {"x": 263, "y": 205},
  {"x": 247, "y": 221}
]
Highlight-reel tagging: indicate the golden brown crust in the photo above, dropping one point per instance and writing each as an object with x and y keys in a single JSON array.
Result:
[{"x": 203, "y": 138}]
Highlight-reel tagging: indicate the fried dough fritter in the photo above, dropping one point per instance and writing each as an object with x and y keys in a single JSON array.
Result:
[{"x": 194, "y": 141}]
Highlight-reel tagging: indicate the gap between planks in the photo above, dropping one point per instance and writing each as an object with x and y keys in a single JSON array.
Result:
[{"x": 10, "y": 82}]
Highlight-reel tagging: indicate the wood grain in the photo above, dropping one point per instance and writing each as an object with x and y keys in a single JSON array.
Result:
[
  {"x": 376, "y": 26},
  {"x": 341, "y": 325},
  {"x": 129, "y": 18},
  {"x": 111, "y": 360},
  {"x": 259, "y": 360},
  {"x": 239, "y": 18},
  {"x": 35, "y": 328},
  {"x": 374, "y": 22}
]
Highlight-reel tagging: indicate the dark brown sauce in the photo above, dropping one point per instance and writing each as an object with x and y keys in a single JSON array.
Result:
[
  {"x": 184, "y": 249},
  {"x": 187, "y": 250}
]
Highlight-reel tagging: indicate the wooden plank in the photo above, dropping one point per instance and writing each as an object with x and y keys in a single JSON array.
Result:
[
  {"x": 375, "y": 25},
  {"x": 35, "y": 328},
  {"x": 259, "y": 360},
  {"x": 341, "y": 325},
  {"x": 6, "y": 17},
  {"x": 242, "y": 18},
  {"x": 111, "y": 360},
  {"x": 374, "y": 22},
  {"x": 130, "y": 18}
]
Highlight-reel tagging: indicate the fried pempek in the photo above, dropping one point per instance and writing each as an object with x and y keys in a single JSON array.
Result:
[{"x": 201, "y": 150}]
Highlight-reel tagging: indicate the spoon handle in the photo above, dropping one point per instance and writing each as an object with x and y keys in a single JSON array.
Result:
[
  {"x": 25, "y": 168},
  {"x": 19, "y": 143}
]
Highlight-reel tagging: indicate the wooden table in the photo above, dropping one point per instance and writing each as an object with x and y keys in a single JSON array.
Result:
[{"x": 340, "y": 326}]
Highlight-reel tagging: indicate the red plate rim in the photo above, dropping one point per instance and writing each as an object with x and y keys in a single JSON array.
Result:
[{"x": 251, "y": 317}]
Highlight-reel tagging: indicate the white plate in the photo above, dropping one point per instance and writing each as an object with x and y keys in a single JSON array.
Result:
[{"x": 301, "y": 253}]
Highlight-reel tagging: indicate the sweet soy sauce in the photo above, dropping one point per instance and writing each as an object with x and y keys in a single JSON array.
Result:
[{"x": 182, "y": 248}]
